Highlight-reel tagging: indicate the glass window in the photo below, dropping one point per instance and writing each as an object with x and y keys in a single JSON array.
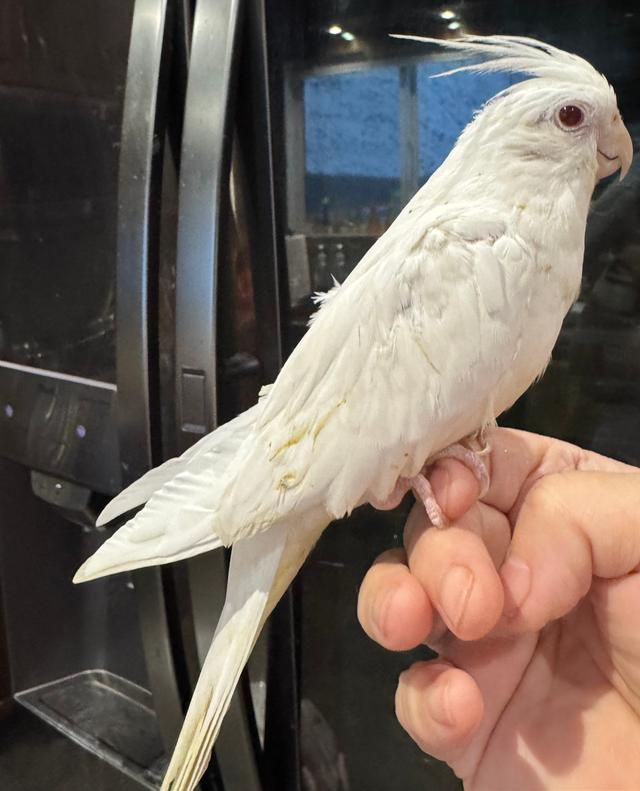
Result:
[
  {"x": 352, "y": 147},
  {"x": 447, "y": 104}
]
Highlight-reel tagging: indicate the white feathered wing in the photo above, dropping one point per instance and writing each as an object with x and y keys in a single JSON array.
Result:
[
  {"x": 174, "y": 525},
  {"x": 341, "y": 423}
]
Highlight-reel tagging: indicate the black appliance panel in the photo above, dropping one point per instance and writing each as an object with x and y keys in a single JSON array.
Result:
[{"x": 62, "y": 74}]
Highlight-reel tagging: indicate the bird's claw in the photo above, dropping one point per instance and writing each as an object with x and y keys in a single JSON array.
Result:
[
  {"x": 472, "y": 460},
  {"x": 422, "y": 491}
]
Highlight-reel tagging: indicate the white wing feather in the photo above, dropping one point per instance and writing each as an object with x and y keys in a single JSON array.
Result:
[
  {"x": 224, "y": 440},
  {"x": 177, "y": 522}
]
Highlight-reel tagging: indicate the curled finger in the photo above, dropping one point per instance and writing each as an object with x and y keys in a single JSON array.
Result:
[
  {"x": 393, "y": 608},
  {"x": 440, "y": 707},
  {"x": 457, "y": 569}
]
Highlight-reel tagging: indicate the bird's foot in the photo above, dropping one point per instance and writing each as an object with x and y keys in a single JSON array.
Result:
[
  {"x": 422, "y": 491},
  {"x": 470, "y": 456},
  {"x": 472, "y": 460}
]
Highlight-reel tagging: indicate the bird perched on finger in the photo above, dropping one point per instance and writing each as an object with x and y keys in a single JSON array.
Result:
[{"x": 444, "y": 323}]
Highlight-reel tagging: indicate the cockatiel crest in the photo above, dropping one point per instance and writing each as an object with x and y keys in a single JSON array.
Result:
[
  {"x": 566, "y": 92},
  {"x": 443, "y": 324}
]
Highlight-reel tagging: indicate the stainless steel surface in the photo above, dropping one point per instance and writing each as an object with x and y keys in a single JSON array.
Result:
[
  {"x": 204, "y": 176},
  {"x": 203, "y": 201},
  {"x": 138, "y": 205},
  {"x": 141, "y": 157}
]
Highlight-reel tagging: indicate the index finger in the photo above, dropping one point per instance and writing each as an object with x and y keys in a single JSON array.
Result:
[
  {"x": 519, "y": 458},
  {"x": 571, "y": 528}
]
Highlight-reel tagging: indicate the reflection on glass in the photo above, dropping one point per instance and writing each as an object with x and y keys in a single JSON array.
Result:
[
  {"x": 352, "y": 147},
  {"x": 61, "y": 90},
  {"x": 446, "y": 105}
]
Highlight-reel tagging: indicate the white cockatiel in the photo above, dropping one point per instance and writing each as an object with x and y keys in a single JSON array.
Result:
[{"x": 444, "y": 323}]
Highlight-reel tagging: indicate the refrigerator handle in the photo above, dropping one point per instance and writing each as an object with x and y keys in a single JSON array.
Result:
[
  {"x": 204, "y": 177},
  {"x": 140, "y": 171},
  {"x": 204, "y": 183}
]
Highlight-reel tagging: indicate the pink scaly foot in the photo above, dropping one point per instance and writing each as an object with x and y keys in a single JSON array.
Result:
[
  {"x": 472, "y": 460},
  {"x": 422, "y": 491}
]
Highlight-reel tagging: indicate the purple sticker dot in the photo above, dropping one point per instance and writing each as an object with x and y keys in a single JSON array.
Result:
[
  {"x": 8, "y": 410},
  {"x": 81, "y": 431}
]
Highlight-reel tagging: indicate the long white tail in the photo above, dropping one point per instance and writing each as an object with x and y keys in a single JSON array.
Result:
[{"x": 261, "y": 569}]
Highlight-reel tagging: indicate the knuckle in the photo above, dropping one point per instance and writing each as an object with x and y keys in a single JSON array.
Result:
[{"x": 546, "y": 498}]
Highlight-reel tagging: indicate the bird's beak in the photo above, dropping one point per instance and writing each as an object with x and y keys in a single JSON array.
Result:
[{"x": 615, "y": 150}]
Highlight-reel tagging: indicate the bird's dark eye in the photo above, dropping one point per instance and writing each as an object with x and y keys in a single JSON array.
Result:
[{"x": 570, "y": 116}]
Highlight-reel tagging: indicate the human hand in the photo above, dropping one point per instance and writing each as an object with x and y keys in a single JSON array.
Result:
[{"x": 532, "y": 601}]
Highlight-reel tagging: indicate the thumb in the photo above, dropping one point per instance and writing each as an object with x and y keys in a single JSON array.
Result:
[{"x": 571, "y": 527}]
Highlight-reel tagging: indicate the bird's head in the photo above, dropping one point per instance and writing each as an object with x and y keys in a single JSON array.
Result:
[{"x": 564, "y": 116}]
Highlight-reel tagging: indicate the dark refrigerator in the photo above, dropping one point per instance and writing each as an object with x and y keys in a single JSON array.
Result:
[{"x": 177, "y": 179}]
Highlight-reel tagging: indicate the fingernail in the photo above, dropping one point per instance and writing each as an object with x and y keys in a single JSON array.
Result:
[
  {"x": 455, "y": 589},
  {"x": 438, "y": 703},
  {"x": 516, "y": 580}
]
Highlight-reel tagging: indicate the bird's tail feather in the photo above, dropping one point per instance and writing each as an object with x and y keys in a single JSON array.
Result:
[
  {"x": 262, "y": 567},
  {"x": 254, "y": 563}
]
